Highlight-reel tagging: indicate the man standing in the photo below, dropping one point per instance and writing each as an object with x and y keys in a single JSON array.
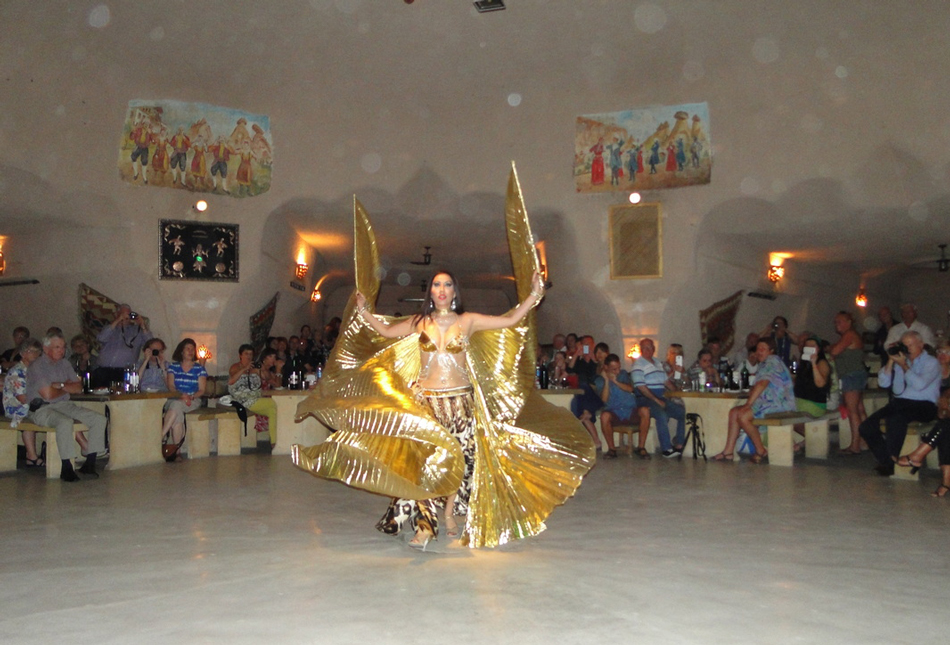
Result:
[
  {"x": 909, "y": 323},
  {"x": 49, "y": 382},
  {"x": 650, "y": 383},
  {"x": 120, "y": 343},
  {"x": 915, "y": 376}
]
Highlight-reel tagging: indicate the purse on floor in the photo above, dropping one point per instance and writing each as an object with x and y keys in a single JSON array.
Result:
[{"x": 170, "y": 450}]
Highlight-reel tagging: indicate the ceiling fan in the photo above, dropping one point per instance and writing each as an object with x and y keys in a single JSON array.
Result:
[
  {"x": 943, "y": 262},
  {"x": 426, "y": 258}
]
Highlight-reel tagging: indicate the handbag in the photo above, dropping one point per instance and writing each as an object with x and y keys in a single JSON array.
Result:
[{"x": 170, "y": 450}]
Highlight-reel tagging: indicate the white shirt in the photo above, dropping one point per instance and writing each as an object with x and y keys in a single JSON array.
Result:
[{"x": 898, "y": 330}]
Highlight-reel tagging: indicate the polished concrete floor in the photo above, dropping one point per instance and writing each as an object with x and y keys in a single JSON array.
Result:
[{"x": 250, "y": 550}]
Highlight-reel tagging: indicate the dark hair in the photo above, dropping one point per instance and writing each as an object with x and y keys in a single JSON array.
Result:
[
  {"x": 428, "y": 305},
  {"x": 307, "y": 327},
  {"x": 702, "y": 353},
  {"x": 177, "y": 355},
  {"x": 244, "y": 348},
  {"x": 152, "y": 341},
  {"x": 714, "y": 339},
  {"x": 611, "y": 358},
  {"x": 846, "y": 314},
  {"x": 783, "y": 319},
  {"x": 768, "y": 340},
  {"x": 21, "y": 330},
  {"x": 603, "y": 346},
  {"x": 569, "y": 335},
  {"x": 267, "y": 352}
]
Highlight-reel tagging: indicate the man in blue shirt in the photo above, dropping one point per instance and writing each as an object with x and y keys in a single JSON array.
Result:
[
  {"x": 650, "y": 385},
  {"x": 915, "y": 377},
  {"x": 615, "y": 388}
]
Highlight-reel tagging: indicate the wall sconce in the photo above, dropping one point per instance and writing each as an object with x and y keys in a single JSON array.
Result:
[
  {"x": 861, "y": 300},
  {"x": 316, "y": 295},
  {"x": 3, "y": 263},
  {"x": 634, "y": 352},
  {"x": 776, "y": 270},
  {"x": 302, "y": 268},
  {"x": 203, "y": 353}
]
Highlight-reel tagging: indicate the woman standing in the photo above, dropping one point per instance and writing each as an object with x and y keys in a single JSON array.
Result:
[
  {"x": 848, "y": 353},
  {"x": 771, "y": 393},
  {"x": 189, "y": 378},
  {"x": 246, "y": 380},
  {"x": 15, "y": 405},
  {"x": 404, "y": 394}
]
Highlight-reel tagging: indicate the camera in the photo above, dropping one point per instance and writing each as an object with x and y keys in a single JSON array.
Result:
[
  {"x": 154, "y": 352},
  {"x": 899, "y": 348},
  {"x": 133, "y": 316},
  {"x": 775, "y": 326},
  {"x": 257, "y": 364}
]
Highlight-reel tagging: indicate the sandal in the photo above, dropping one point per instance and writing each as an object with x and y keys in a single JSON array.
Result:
[
  {"x": 758, "y": 459},
  {"x": 906, "y": 462},
  {"x": 642, "y": 453},
  {"x": 723, "y": 456},
  {"x": 421, "y": 540},
  {"x": 35, "y": 463},
  {"x": 937, "y": 493},
  {"x": 847, "y": 452},
  {"x": 451, "y": 530}
]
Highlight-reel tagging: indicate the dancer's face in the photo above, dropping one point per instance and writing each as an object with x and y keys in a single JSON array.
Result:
[{"x": 443, "y": 291}]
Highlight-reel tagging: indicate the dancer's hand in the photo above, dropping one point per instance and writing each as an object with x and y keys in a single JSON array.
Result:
[{"x": 360, "y": 302}]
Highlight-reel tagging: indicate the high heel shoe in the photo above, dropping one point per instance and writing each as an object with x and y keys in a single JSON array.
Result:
[
  {"x": 906, "y": 462},
  {"x": 420, "y": 545},
  {"x": 451, "y": 530}
]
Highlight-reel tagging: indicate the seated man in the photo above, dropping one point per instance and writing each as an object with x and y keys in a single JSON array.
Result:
[
  {"x": 121, "y": 341},
  {"x": 615, "y": 388},
  {"x": 915, "y": 376},
  {"x": 650, "y": 383},
  {"x": 49, "y": 382},
  {"x": 908, "y": 323},
  {"x": 703, "y": 370}
]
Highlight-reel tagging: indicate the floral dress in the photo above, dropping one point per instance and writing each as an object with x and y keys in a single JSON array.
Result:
[
  {"x": 13, "y": 386},
  {"x": 779, "y": 395}
]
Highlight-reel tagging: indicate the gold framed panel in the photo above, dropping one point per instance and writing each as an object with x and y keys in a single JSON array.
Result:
[{"x": 636, "y": 241}]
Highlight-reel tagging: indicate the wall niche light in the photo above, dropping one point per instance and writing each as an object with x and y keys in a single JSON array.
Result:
[
  {"x": 861, "y": 300},
  {"x": 776, "y": 270},
  {"x": 634, "y": 352}
]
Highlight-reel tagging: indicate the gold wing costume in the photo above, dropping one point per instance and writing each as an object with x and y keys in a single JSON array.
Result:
[{"x": 530, "y": 456}]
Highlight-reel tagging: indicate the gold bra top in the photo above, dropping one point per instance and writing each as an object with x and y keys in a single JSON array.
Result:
[{"x": 454, "y": 346}]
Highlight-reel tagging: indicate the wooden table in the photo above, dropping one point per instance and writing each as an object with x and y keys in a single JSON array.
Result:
[
  {"x": 307, "y": 432},
  {"x": 135, "y": 425},
  {"x": 714, "y": 408}
]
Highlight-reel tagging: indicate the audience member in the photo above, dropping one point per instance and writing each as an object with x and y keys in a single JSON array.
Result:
[
  {"x": 81, "y": 358},
  {"x": 120, "y": 342},
  {"x": 15, "y": 404},
  {"x": 771, "y": 393},
  {"x": 908, "y": 323},
  {"x": 674, "y": 365},
  {"x": 49, "y": 382},
  {"x": 915, "y": 376},
  {"x": 153, "y": 372},
  {"x": 848, "y": 354},
  {"x": 245, "y": 385},
  {"x": 813, "y": 380},
  {"x": 742, "y": 353},
  {"x": 306, "y": 341},
  {"x": 650, "y": 383},
  {"x": 559, "y": 343},
  {"x": 185, "y": 375},
  {"x": 11, "y": 357},
  {"x": 880, "y": 336},
  {"x": 584, "y": 365},
  {"x": 939, "y": 438},
  {"x": 703, "y": 370},
  {"x": 782, "y": 338},
  {"x": 615, "y": 388}
]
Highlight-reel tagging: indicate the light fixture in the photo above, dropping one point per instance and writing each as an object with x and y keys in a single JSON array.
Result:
[
  {"x": 201, "y": 205},
  {"x": 943, "y": 264},
  {"x": 316, "y": 295},
  {"x": 634, "y": 352},
  {"x": 302, "y": 268},
  {"x": 635, "y": 198},
  {"x": 776, "y": 270},
  {"x": 484, "y": 6},
  {"x": 203, "y": 353},
  {"x": 3, "y": 262},
  {"x": 861, "y": 300},
  {"x": 426, "y": 258}
]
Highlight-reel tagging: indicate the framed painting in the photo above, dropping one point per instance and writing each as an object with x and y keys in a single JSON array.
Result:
[
  {"x": 197, "y": 251},
  {"x": 636, "y": 241}
]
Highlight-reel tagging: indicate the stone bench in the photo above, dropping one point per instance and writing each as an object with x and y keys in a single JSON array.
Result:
[
  {"x": 205, "y": 422},
  {"x": 781, "y": 427},
  {"x": 9, "y": 441}
]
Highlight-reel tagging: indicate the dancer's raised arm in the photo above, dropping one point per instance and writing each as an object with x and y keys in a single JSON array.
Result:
[{"x": 400, "y": 329}]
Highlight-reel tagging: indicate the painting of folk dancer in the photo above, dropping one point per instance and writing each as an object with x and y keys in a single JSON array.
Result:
[
  {"x": 643, "y": 149},
  {"x": 196, "y": 147}
]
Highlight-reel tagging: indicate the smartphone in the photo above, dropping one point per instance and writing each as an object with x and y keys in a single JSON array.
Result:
[
  {"x": 586, "y": 349},
  {"x": 679, "y": 361},
  {"x": 807, "y": 353}
]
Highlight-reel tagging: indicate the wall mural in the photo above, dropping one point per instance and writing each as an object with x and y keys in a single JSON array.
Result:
[
  {"x": 197, "y": 147},
  {"x": 657, "y": 147},
  {"x": 197, "y": 251}
]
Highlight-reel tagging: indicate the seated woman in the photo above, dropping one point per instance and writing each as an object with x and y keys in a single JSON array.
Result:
[
  {"x": 813, "y": 382},
  {"x": 185, "y": 375},
  {"x": 81, "y": 359},
  {"x": 939, "y": 437},
  {"x": 153, "y": 372},
  {"x": 246, "y": 380},
  {"x": 15, "y": 404},
  {"x": 771, "y": 393}
]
